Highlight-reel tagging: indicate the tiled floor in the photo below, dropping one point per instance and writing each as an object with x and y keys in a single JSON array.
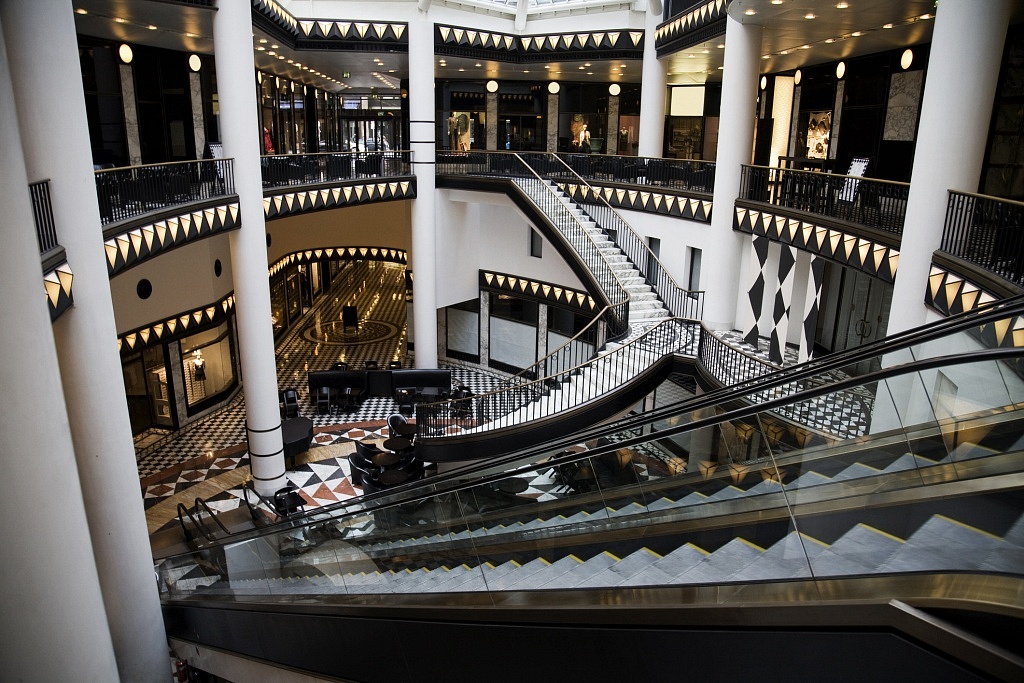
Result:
[{"x": 212, "y": 450}]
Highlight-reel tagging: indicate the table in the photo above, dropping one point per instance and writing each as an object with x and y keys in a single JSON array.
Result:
[
  {"x": 297, "y": 434},
  {"x": 397, "y": 443},
  {"x": 392, "y": 477},
  {"x": 385, "y": 459},
  {"x": 512, "y": 485}
]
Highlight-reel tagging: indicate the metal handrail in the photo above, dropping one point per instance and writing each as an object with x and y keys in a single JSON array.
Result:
[
  {"x": 283, "y": 170},
  {"x": 129, "y": 191},
  {"x": 677, "y": 300},
  {"x": 871, "y": 202},
  {"x": 987, "y": 232}
]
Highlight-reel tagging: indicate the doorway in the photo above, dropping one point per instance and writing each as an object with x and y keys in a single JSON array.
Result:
[{"x": 854, "y": 311}]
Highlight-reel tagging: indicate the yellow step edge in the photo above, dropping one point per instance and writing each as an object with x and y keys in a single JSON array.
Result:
[
  {"x": 880, "y": 532},
  {"x": 968, "y": 526},
  {"x": 658, "y": 555},
  {"x": 545, "y": 562},
  {"x": 750, "y": 543},
  {"x": 575, "y": 558},
  {"x": 697, "y": 548},
  {"x": 611, "y": 555},
  {"x": 812, "y": 539}
]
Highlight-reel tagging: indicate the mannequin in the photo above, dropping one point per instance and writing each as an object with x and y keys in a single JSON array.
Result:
[
  {"x": 453, "y": 132},
  {"x": 585, "y": 139}
]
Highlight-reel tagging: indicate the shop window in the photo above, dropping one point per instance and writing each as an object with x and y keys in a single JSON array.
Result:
[
  {"x": 514, "y": 308},
  {"x": 277, "y": 312},
  {"x": 536, "y": 244},
  {"x": 207, "y": 367}
]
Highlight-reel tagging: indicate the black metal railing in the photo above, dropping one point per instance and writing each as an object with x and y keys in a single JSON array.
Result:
[
  {"x": 986, "y": 231},
  {"x": 567, "y": 387},
  {"x": 680, "y": 302},
  {"x": 128, "y": 192},
  {"x": 878, "y": 204},
  {"x": 685, "y": 175},
  {"x": 42, "y": 214},
  {"x": 282, "y": 170}
]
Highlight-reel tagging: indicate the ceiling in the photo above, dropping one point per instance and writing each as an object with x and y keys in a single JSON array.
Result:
[{"x": 797, "y": 33}]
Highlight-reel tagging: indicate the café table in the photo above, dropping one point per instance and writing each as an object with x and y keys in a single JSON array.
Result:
[
  {"x": 512, "y": 485},
  {"x": 397, "y": 444},
  {"x": 386, "y": 459},
  {"x": 297, "y": 434}
]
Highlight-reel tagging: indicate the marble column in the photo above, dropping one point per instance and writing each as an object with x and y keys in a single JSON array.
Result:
[
  {"x": 54, "y": 133},
  {"x": 424, "y": 234},
  {"x": 492, "y": 122},
  {"x": 195, "y": 87},
  {"x": 552, "y": 121},
  {"x": 131, "y": 115},
  {"x": 612, "y": 137},
  {"x": 40, "y": 548},
  {"x": 963, "y": 68},
  {"x": 240, "y": 126}
]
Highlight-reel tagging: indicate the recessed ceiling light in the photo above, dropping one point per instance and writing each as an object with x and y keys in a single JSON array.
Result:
[
  {"x": 830, "y": 40},
  {"x": 461, "y": 69},
  {"x": 842, "y": 5},
  {"x": 856, "y": 34},
  {"x": 784, "y": 52},
  {"x": 526, "y": 71},
  {"x": 750, "y": 12},
  {"x": 776, "y": 2},
  {"x": 586, "y": 63},
  {"x": 805, "y": 47},
  {"x": 809, "y": 15},
  {"x": 478, "y": 64},
  {"x": 590, "y": 73},
  {"x": 275, "y": 46},
  {"x": 765, "y": 56},
  {"x": 547, "y": 66},
  {"x": 260, "y": 48},
  {"x": 886, "y": 25},
  {"x": 720, "y": 46},
  {"x": 81, "y": 11},
  {"x": 263, "y": 41},
  {"x": 120, "y": 20},
  {"x": 271, "y": 53},
  {"x": 151, "y": 27}
]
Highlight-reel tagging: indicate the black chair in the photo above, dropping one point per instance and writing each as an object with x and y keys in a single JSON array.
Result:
[
  {"x": 371, "y": 365},
  {"x": 404, "y": 399},
  {"x": 341, "y": 365},
  {"x": 289, "y": 403},
  {"x": 287, "y": 501},
  {"x": 399, "y": 426},
  {"x": 395, "y": 365},
  {"x": 324, "y": 405},
  {"x": 360, "y": 464}
]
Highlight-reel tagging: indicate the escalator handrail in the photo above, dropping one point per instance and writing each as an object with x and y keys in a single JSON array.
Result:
[{"x": 410, "y": 493}]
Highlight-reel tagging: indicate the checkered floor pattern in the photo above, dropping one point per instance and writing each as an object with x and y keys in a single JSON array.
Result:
[{"x": 844, "y": 414}]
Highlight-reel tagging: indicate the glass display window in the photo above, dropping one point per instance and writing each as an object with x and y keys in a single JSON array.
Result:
[{"x": 207, "y": 364}]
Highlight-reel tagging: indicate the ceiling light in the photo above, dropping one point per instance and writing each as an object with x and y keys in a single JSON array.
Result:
[
  {"x": 263, "y": 41},
  {"x": 547, "y": 66},
  {"x": 275, "y": 46},
  {"x": 805, "y": 47},
  {"x": 784, "y": 52},
  {"x": 856, "y": 34},
  {"x": 260, "y": 48},
  {"x": 151, "y": 27},
  {"x": 586, "y": 63},
  {"x": 907, "y": 58},
  {"x": 478, "y": 64},
  {"x": 842, "y": 5},
  {"x": 765, "y": 56},
  {"x": 81, "y": 11},
  {"x": 271, "y": 53},
  {"x": 120, "y": 20},
  {"x": 830, "y": 40},
  {"x": 776, "y": 2},
  {"x": 720, "y": 46},
  {"x": 461, "y": 69},
  {"x": 926, "y": 16},
  {"x": 809, "y": 15},
  {"x": 886, "y": 25},
  {"x": 750, "y": 12},
  {"x": 192, "y": 35}
]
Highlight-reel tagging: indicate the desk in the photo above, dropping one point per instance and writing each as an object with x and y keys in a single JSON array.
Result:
[
  {"x": 385, "y": 458},
  {"x": 397, "y": 444},
  {"x": 297, "y": 434}
]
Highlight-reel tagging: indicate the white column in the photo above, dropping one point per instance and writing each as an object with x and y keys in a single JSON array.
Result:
[
  {"x": 239, "y": 123},
  {"x": 739, "y": 101},
  {"x": 55, "y": 138},
  {"x": 48, "y": 559},
  {"x": 652, "y": 93},
  {"x": 963, "y": 67},
  {"x": 421, "y": 134}
]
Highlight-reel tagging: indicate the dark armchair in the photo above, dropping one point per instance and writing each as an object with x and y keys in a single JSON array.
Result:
[
  {"x": 369, "y": 166},
  {"x": 289, "y": 403}
]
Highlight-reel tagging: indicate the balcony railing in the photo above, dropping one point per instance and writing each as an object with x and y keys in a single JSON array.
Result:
[
  {"x": 986, "y": 231},
  {"x": 42, "y": 213},
  {"x": 124, "y": 193},
  {"x": 309, "y": 169},
  {"x": 878, "y": 204}
]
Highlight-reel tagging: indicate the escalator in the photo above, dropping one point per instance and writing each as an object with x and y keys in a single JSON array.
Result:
[{"x": 736, "y": 531}]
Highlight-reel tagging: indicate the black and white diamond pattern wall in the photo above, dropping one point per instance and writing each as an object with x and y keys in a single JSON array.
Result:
[
  {"x": 783, "y": 299},
  {"x": 812, "y": 305},
  {"x": 755, "y": 293}
]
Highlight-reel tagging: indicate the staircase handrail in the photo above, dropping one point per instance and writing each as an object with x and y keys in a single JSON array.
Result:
[
  {"x": 679, "y": 301},
  {"x": 200, "y": 504},
  {"x": 196, "y": 524},
  {"x": 582, "y": 242},
  {"x": 474, "y": 411}
]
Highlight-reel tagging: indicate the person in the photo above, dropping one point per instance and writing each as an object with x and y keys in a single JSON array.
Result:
[
  {"x": 585, "y": 139},
  {"x": 453, "y": 132},
  {"x": 268, "y": 144}
]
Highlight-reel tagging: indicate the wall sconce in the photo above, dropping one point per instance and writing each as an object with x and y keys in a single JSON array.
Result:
[
  {"x": 195, "y": 63},
  {"x": 840, "y": 70},
  {"x": 492, "y": 86},
  {"x": 764, "y": 82},
  {"x": 907, "y": 59},
  {"x": 797, "y": 77},
  {"x": 614, "y": 89},
  {"x": 554, "y": 87},
  {"x": 125, "y": 53}
]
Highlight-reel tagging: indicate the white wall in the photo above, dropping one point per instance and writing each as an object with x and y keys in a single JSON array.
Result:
[
  {"x": 183, "y": 279},
  {"x": 382, "y": 224},
  {"x": 486, "y": 231}
]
